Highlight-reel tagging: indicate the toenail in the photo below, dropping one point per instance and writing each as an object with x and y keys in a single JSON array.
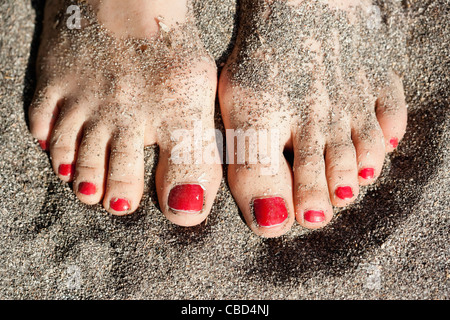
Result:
[
  {"x": 367, "y": 173},
  {"x": 65, "y": 169},
  {"x": 269, "y": 211},
  {"x": 87, "y": 188},
  {"x": 119, "y": 205},
  {"x": 344, "y": 193},
  {"x": 314, "y": 216},
  {"x": 43, "y": 144},
  {"x": 394, "y": 142},
  {"x": 186, "y": 197}
]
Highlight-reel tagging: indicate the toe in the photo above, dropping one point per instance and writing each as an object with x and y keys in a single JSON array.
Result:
[
  {"x": 311, "y": 197},
  {"x": 186, "y": 180},
  {"x": 43, "y": 113},
  {"x": 369, "y": 143},
  {"x": 262, "y": 184},
  {"x": 341, "y": 167},
  {"x": 64, "y": 142},
  {"x": 392, "y": 113},
  {"x": 91, "y": 162},
  {"x": 265, "y": 200},
  {"x": 125, "y": 179},
  {"x": 259, "y": 176}
]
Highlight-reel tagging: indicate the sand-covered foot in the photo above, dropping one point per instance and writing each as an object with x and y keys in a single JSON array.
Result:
[
  {"x": 321, "y": 79},
  {"x": 114, "y": 77}
]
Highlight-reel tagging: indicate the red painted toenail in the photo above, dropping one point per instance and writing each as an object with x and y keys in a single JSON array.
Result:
[
  {"x": 314, "y": 216},
  {"x": 344, "y": 192},
  {"x": 394, "y": 142},
  {"x": 367, "y": 173},
  {"x": 270, "y": 211},
  {"x": 186, "y": 197},
  {"x": 119, "y": 204},
  {"x": 43, "y": 144},
  {"x": 65, "y": 169},
  {"x": 87, "y": 188}
]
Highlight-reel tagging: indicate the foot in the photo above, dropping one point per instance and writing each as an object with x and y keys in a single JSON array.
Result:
[
  {"x": 128, "y": 74},
  {"x": 316, "y": 78}
]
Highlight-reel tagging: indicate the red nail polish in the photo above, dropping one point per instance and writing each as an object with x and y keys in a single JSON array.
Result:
[
  {"x": 87, "y": 188},
  {"x": 66, "y": 169},
  {"x": 270, "y": 211},
  {"x": 367, "y": 173},
  {"x": 394, "y": 142},
  {"x": 314, "y": 216},
  {"x": 119, "y": 204},
  {"x": 186, "y": 197},
  {"x": 344, "y": 193},
  {"x": 43, "y": 144}
]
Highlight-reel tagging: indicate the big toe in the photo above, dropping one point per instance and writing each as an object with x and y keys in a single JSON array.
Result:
[
  {"x": 261, "y": 182},
  {"x": 187, "y": 179}
]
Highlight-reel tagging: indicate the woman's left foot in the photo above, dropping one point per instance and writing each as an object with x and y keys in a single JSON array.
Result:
[{"x": 129, "y": 74}]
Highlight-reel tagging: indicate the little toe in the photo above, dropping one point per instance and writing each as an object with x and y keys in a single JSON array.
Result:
[{"x": 43, "y": 113}]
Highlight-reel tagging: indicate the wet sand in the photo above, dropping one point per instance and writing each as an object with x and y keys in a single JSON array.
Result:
[{"x": 392, "y": 244}]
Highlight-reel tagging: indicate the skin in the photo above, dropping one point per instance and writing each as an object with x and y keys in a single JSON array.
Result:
[
  {"x": 136, "y": 73},
  {"x": 99, "y": 116},
  {"x": 332, "y": 138}
]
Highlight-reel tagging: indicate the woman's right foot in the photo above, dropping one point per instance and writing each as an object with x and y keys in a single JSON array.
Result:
[
  {"x": 131, "y": 74},
  {"x": 315, "y": 77}
]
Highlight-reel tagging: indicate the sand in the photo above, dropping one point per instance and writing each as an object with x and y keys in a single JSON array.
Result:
[{"x": 391, "y": 244}]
